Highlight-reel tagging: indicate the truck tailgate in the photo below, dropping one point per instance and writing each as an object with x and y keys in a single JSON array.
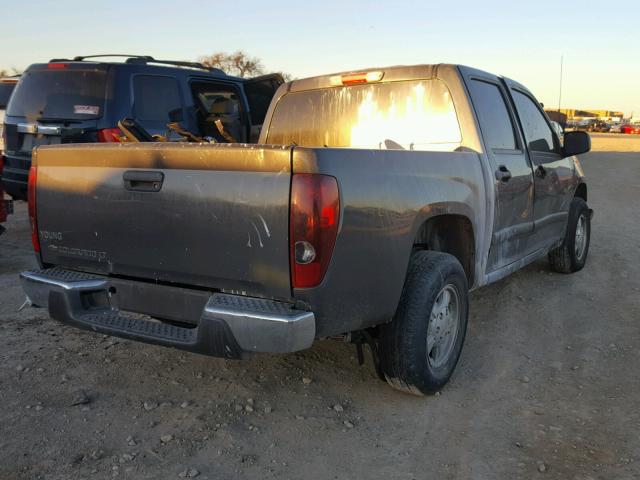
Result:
[{"x": 214, "y": 216}]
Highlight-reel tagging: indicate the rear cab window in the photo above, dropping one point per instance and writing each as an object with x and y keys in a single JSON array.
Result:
[
  {"x": 60, "y": 93},
  {"x": 403, "y": 115},
  {"x": 493, "y": 116}
]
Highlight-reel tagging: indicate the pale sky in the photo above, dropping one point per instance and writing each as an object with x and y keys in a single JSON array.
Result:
[{"x": 599, "y": 40}]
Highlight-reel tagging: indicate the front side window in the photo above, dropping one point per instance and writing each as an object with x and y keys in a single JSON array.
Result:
[
  {"x": 493, "y": 116},
  {"x": 154, "y": 97},
  {"x": 218, "y": 103},
  {"x": 406, "y": 115},
  {"x": 536, "y": 130}
]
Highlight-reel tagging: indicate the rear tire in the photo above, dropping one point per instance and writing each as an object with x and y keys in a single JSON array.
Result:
[
  {"x": 420, "y": 348},
  {"x": 571, "y": 256}
]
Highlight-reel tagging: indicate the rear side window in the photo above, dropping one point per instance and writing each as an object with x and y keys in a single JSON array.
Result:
[
  {"x": 407, "y": 115},
  {"x": 154, "y": 97},
  {"x": 536, "y": 130},
  {"x": 493, "y": 116},
  {"x": 66, "y": 94}
]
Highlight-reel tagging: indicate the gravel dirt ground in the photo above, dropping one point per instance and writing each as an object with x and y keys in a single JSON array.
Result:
[{"x": 547, "y": 386}]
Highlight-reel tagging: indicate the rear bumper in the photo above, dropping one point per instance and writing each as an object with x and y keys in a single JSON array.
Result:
[{"x": 229, "y": 325}]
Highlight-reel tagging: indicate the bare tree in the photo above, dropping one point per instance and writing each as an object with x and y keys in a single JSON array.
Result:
[
  {"x": 10, "y": 73},
  {"x": 238, "y": 63},
  {"x": 286, "y": 76}
]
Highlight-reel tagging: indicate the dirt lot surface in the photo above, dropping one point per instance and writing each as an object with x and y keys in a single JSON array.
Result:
[{"x": 547, "y": 387}]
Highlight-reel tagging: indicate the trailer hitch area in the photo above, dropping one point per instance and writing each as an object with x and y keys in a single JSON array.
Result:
[{"x": 361, "y": 337}]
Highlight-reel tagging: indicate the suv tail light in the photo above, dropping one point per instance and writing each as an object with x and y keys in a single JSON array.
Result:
[
  {"x": 31, "y": 198},
  {"x": 110, "y": 135},
  {"x": 315, "y": 216}
]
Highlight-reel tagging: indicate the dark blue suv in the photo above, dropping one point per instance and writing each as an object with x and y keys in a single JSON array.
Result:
[{"x": 82, "y": 100}]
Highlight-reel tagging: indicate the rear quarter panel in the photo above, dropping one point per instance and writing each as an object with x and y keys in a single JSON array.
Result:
[{"x": 385, "y": 195}]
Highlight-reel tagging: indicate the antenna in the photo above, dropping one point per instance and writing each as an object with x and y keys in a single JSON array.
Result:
[{"x": 560, "y": 93}]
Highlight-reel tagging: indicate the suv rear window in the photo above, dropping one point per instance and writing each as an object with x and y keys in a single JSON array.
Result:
[
  {"x": 407, "y": 115},
  {"x": 68, "y": 94}
]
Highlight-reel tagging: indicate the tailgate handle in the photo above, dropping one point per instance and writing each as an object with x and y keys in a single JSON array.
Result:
[{"x": 143, "y": 181}]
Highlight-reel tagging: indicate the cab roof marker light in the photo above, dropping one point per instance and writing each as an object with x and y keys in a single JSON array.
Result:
[{"x": 356, "y": 78}]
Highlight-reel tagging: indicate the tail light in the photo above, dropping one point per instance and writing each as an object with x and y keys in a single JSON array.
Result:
[
  {"x": 110, "y": 135},
  {"x": 31, "y": 198},
  {"x": 315, "y": 215}
]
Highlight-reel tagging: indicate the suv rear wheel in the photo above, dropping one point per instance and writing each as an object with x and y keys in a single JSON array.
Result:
[{"x": 420, "y": 348}]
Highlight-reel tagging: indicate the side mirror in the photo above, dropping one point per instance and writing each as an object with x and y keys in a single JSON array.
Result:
[
  {"x": 176, "y": 115},
  {"x": 576, "y": 143}
]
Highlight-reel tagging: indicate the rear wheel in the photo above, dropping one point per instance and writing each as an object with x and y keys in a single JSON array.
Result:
[
  {"x": 420, "y": 348},
  {"x": 571, "y": 256}
]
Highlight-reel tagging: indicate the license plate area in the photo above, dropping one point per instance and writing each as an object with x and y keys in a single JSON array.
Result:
[{"x": 159, "y": 301}]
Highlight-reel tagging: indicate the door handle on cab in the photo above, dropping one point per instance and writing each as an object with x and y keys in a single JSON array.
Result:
[
  {"x": 503, "y": 174},
  {"x": 143, "y": 181}
]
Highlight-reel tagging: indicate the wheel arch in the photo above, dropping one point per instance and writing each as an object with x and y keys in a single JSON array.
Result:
[
  {"x": 450, "y": 233},
  {"x": 581, "y": 191}
]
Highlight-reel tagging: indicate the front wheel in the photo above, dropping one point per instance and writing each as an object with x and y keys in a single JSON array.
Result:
[
  {"x": 420, "y": 348},
  {"x": 571, "y": 256}
]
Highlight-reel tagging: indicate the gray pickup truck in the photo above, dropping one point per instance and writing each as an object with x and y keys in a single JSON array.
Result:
[{"x": 372, "y": 204}]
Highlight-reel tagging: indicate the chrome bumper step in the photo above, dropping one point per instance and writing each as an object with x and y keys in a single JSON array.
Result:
[{"x": 229, "y": 325}]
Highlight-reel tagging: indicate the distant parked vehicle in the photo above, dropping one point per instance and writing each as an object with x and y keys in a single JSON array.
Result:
[
  {"x": 630, "y": 128},
  {"x": 616, "y": 128},
  {"x": 7, "y": 85},
  {"x": 599, "y": 126},
  {"x": 558, "y": 129},
  {"x": 82, "y": 100},
  {"x": 584, "y": 125}
]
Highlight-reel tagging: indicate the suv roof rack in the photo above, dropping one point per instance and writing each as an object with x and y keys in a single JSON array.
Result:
[{"x": 143, "y": 60}]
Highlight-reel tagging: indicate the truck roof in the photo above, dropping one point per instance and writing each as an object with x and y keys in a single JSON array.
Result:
[{"x": 389, "y": 74}]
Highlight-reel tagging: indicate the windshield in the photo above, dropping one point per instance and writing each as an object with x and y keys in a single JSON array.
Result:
[
  {"x": 408, "y": 115},
  {"x": 68, "y": 94}
]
